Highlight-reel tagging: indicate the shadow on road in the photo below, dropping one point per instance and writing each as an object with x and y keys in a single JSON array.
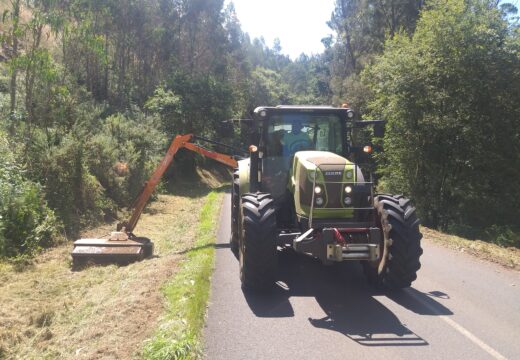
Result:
[{"x": 350, "y": 304}]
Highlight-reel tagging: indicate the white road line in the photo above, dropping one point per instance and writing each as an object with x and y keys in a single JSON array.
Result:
[
  {"x": 473, "y": 338},
  {"x": 461, "y": 329}
]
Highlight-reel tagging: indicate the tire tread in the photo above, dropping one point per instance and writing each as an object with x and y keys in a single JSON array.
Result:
[{"x": 259, "y": 249}]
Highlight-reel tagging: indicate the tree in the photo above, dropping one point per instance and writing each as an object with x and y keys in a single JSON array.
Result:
[
  {"x": 361, "y": 28},
  {"x": 450, "y": 94}
]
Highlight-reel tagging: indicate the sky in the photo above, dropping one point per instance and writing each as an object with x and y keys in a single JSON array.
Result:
[{"x": 299, "y": 24}]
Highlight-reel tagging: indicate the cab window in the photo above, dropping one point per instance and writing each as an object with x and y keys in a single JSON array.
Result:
[{"x": 290, "y": 133}]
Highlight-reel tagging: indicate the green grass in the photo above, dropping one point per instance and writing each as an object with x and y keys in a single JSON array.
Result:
[{"x": 179, "y": 333}]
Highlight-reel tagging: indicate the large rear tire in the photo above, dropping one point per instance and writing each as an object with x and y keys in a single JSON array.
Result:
[
  {"x": 258, "y": 255},
  {"x": 402, "y": 248},
  {"x": 235, "y": 206}
]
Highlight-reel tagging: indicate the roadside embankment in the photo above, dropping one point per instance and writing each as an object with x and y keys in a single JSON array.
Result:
[{"x": 506, "y": 256}]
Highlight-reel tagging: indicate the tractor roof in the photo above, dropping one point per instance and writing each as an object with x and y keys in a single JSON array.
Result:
[
  {"x": 305, "y": 107},
  {"x": 262, "y": 111}
]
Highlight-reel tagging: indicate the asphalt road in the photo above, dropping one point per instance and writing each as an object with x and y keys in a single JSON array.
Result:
[{"x": 459, "y": 308}]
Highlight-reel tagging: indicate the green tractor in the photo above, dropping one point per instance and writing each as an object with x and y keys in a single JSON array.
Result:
[{"x": 304, "y": 187}]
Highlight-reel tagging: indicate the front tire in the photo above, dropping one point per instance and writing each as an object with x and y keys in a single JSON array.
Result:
[
  {"x": 402, "y": 248},
  {"x": 258, "y": 253}
]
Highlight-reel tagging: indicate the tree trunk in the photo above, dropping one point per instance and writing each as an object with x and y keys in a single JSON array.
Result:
[
  {"x": 12, "y": 84},
  {"x": 30, "y": 77}
]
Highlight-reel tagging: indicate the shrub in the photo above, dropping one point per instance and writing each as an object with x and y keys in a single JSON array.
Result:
[
  {"x": 124, "y": 153},
  {"x": 95, "y": 166},
  {"x": 26, "y": 222},
  {"x": 503, "y": 236}
]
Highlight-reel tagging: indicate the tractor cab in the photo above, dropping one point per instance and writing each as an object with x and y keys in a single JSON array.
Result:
[{"x": 286, "y": 130}]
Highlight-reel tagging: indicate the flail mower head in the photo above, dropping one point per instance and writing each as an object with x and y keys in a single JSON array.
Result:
[{"x": 118, "y": 248}]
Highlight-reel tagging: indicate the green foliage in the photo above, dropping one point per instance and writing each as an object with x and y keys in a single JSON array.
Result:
[
  {"x": 503, "y": 235},
  {"x": 168, "y": 106},
  {"x": 269, "y": 87},
  {"x": 133, "y": 140},
  {"x": 76, "y": 195},
  {"x": 187, "y": 294},
  {"x": 361, "y": 29},
  {"x": 77, "y": 84},
  {"x": 450, "y": 94},
  {"x": 26, "y": 223},
  {"x": 192, "y": 104},
  {"x": 90, "y": 172}
]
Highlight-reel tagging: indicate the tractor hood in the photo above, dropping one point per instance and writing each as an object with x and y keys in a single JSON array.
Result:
[
  {"x": 312, "y": 159},
  {"x": 327, "y": 165},
  {"x": 322, "y": 177}
]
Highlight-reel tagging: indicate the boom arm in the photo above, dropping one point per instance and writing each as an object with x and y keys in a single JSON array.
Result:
[{"x": 180, "y": 141}]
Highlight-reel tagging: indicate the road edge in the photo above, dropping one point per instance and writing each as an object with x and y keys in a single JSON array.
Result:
[
  {"x": 186, "y": 295},
  {"x": 506, "y": 257}
]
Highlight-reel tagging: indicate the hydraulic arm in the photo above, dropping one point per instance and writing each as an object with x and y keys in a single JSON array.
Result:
[
  {"x": 122, "y": 246},
  {"x": 180, "y": 141}
]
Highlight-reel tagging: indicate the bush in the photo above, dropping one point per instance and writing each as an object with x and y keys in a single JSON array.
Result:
[
  {"x": 124, "y": 153},
  {"x": 503, "y": 236},
  {"x": 71, "y": 190},
  {"x": 26, "y": 222},
  {"x": 95, "y": 166}
]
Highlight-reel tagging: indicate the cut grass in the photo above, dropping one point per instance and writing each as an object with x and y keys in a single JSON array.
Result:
[
  {"x": 508, "y": 257},
  {"x": 187, "y": 294},
  {"x": 48, "y": 311}
]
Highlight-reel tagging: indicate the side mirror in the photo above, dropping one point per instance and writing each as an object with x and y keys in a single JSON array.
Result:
[{"x": 379, "y": 130}]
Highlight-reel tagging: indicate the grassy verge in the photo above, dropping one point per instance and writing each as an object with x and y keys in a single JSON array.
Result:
[
  {"x": 178, "y": 336},
  {"x": 508, "y": 257}
]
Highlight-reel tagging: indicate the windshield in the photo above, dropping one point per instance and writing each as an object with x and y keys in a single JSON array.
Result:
[{"x": 289, "y": 133}]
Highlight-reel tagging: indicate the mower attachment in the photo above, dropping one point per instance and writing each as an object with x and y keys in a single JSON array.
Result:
[{"x": 119, "y": 248}]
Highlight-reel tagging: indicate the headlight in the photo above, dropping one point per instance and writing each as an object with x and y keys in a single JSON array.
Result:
[
  {"x": 317, "y": 190},
  {"x": 347, "y": 200},
  {"x": 349, "y": 174},
  {"x": 319, "y": 201},
  {"x": 348, "y": 189}
]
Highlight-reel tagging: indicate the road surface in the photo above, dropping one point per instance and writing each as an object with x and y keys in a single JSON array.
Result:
[{"x": 459, "y": 308}]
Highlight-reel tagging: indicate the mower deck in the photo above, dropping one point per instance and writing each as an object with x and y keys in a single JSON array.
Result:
[{"x": 104, "y": 251}]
